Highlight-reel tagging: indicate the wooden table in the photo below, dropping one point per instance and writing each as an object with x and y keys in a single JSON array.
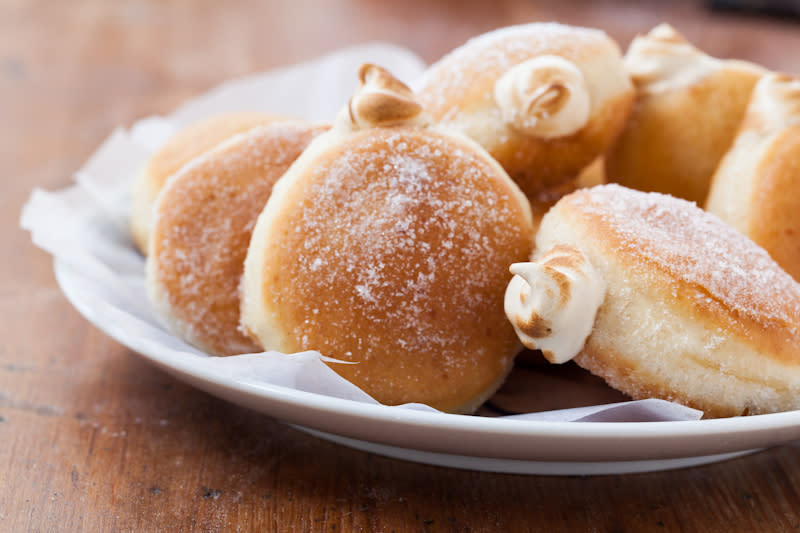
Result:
[{"x": 94, "y": 438}]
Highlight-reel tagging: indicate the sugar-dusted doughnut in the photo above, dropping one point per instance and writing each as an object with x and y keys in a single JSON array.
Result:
[
  {"x": 661, "y": 299},
  {"x": 688, "y": 107},
  {"x": 202, "y": 221},
  {"x": 756, "y": 188},
  {"x": 181, "y": 148},
  {"x": 544, "y": 99},
  {"x": 386, "y": 246}
]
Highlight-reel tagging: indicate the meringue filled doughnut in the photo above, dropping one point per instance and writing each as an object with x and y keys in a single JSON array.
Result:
[
  {"x": 755, "y": 188},
  {"x": 661, "y": 299},
  {"x": 179, "y": 150},
  {"x": 688, "y": 107},
  {"x": 544, "y": 99},
  {"x": 202, "y": 223},
  {"x": 386, "y": 246}
]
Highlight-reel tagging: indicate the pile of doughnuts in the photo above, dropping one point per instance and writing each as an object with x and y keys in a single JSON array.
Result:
[{"x": 422, "y": 238}]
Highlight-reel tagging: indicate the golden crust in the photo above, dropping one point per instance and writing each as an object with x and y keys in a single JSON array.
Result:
[
  {"x": 389, "y": 248},
  {"x": 774, "y": 220},
  {"x": 458, "y": 91},
  {"x": 465, "y": 78},
  {"x": 538, "y": 164},
  {"x": 755, "y": 186},
  {"x": 675, "y": 139},
  {"x": 767, "y": 315},
  {"x": 694, "y": 312},
  {"x": 202, "y": 224},
  {"x": 593, "y": 174},
  {"x": 184, "y": 146},
  {"x": 755, "y": 191}
]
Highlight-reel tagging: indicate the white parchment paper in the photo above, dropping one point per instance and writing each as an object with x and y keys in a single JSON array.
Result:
[{"x": 85, "y": 228}]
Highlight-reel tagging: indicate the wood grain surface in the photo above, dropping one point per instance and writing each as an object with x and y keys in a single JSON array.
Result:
[{"x": 92, "y": 438}]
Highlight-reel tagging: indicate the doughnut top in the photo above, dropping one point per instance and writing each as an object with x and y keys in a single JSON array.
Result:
[
  {"x": 389, "y": 248},
  {"x": 725, "y": 271},
  {"x": 544, "y": 99},
  {"x": 468, "y": 73},
  {"x": 199, "y": 137}
]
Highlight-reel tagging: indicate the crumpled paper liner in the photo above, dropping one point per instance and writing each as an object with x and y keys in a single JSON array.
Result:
[{"x": 85, "y": 228}]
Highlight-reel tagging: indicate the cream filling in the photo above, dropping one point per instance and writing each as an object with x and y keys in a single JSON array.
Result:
[
  {"x": 546, "y": 97},
  {"x": 663, "y": 60},
  {"x": 552, "y": 302},
  {"x": 776, "y": 102},
  {"x": 381, "y": 100}
]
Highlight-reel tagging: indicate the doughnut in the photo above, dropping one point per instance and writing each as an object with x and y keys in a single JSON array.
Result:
[
  {"x": 661, "y": 299},
  {"x": 179, "y": 150},
  {"x": 544, "y": 99},
  {"x": 386, "y": 247},
  {"x": 594, "y": 174},
  {"x": 755, "y": 187},
  {"x": 688, "y": 107},
  {"x": 202, "y": 221}
]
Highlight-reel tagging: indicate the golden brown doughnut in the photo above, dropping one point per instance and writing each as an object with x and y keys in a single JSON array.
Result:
[
  {"x": 594, "y": 174},
  {"x": 202, "y": 223},
  {"x": 179, "y": 150},
  {"x": 386, "y": 245},
  {"x": 756, "y": 188},
  {"x": 688, "y": 106},
  {"x": 663, "y": 300},
  {"x": 544, "y": 99}
]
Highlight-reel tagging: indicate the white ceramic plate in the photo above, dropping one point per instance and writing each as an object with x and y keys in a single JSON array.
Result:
[
  {"x": 101, "y": 274},
  {"x": 472, "y": 442}
]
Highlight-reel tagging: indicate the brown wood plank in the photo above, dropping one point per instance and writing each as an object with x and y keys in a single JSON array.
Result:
[{"x": 92, "y": 438}]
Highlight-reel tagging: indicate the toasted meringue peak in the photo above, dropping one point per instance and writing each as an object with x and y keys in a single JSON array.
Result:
[
  {"x": 664, "y": 60},
  {"x": 381, "y": 100},
  {"x": 665, "y": 33},
  {"x": 775, "y": 103},
  {"x": 552, "y": 302},
  {"x": 545, "y": 96}
]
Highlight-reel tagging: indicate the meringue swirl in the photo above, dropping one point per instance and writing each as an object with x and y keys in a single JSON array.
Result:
[
  {"x": 381, "y": 100},
  {"x": 544, "y": 97},
  {"x": 664, "y": 60},
  {"x": 775, "y": 102},
  {"x": 552, "y": 302}
]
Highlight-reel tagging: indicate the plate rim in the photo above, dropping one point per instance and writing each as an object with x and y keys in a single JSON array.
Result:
[{"x": 285, "y": 403}]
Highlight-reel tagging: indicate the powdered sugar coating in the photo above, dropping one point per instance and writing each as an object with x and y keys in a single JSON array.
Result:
[
  {"x": 451, "y": 79},
  {"x": 180, "y": 149},
  {"x": 460, "y": 90},
  {"x": 724, "y": 267},
  {"x": 204, "y": 218},
  {"x": 392, "y": 251}
]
